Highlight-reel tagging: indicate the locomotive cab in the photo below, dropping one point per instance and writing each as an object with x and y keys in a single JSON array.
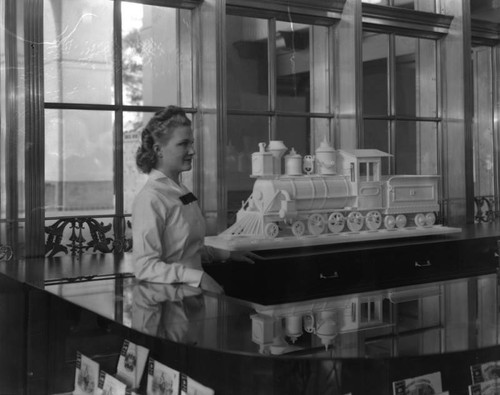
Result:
[{"x": 363, "y": 167}]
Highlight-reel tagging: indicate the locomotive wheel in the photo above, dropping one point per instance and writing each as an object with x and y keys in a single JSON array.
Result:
[
  {"x": 419, "y": 220},
  {"x": 355, "y": 221},
  {"x": 401, "y": 221},
  {"x": 430, "y": 219},
  {"x": 271, "y": 230},
  {"x": 316, "y": 224},
  {"x": 390, "y": 222},
  {"x": 373, "y": 220},
  {"x": 298, "y": 228},
  {"x": 336, "y": 222}
]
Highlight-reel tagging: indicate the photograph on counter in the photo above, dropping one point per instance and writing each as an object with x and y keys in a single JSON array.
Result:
[
  {"x": 131, "y": 363},
  {"x": 109, "y": 385},
  {"x": 86, "y": 375},
  {"x": 426, "y": 384},
  {"x": 482, "y": 372},
  {"x": 162, "y": 380},
  {"x": 490, "y": 387},
  {"x": 192, "y": 387}
]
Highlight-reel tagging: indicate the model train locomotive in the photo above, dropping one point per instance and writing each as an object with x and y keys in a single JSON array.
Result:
[{"x": 333, "y": 191}]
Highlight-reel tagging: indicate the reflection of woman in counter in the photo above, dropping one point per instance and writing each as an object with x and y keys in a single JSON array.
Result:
[
  {"x": 168, "y": 226},
  {"x": 173, "y": 312}
]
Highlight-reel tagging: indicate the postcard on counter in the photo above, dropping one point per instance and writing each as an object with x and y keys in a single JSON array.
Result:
[
  {"x": 162, "y": 380},
  {"x": 109, "y": 385},
  {"x": 490, "y": 387},
  {"x": 131, "y": 363},
  {"x": 485, "y": 371},
  {"x": 86, "y": 375},
  {"x": 426, "y": 384},
  {"x": 192, "y": 387}
]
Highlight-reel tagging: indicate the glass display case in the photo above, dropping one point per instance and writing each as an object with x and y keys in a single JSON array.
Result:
[
  {"x": 357, "y": 343},
  {"x": 354, "y": 334}
]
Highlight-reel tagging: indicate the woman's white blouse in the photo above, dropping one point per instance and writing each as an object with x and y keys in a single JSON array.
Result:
[{"x": 168, "y": 235}]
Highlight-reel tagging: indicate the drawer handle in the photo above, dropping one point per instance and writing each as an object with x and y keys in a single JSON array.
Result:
[
  {"x": 426, "y": 264},
  {"x": 329, "y": 276}
]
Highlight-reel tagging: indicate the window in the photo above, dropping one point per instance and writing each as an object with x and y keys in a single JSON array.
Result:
[
  {"x": 108, "y": 67},
  {"x": 368, "y": 171},
  {"x": 400, "y": 105},
  {"x": 278, "y": 88},
  {"x": 484, "y": 130}
]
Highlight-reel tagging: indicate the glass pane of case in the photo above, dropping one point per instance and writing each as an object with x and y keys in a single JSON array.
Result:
[
  {"x": 375, "y": 73},
  {"x": 247, "y": 65},
  {"x": 78, "y": 51},
  {"x": 78, "y": 162},
  {"x": 157, "y": 53}
]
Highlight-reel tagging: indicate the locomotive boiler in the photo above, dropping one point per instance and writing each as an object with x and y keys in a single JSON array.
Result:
[{"x": 333, "y": 191}]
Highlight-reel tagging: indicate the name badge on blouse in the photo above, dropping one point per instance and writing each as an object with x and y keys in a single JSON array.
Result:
[{"x": 188, "y": 198}]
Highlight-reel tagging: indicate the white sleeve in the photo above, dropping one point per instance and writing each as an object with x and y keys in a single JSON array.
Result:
[{"x": 149, "y": 217}]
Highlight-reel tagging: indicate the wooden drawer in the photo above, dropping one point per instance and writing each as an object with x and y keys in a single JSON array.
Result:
[{"x": 416, "y": 264}]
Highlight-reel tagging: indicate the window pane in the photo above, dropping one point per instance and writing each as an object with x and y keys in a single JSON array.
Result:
[
  {"x": 320, "y": 130},
  {"x": 292, "y": 66},
  {"x": 483, "y": 122},
  {"x": 243, "y": 138},
  {"x": 376, "y": 136},
  {"x": 416, "y": 148},
  {"x": 78, "y": 51},
  {"x": 156, "y": 55},
  {"x": 415, "y": 77},
  {"x": 247, "y": 66},
  {"x": 78, "y": 162},
  {"x": 375, "y": 73},
  {"x": 133, "y": 179},
  {"x": 409, "y": 4},
  {"x": 378, "y": 2},
  {"x": 295, "y": 133},
  {"x": 320, "y": 70}
]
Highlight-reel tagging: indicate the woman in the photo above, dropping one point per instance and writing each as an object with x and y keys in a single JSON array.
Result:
[{"x": 168, "y": 226}]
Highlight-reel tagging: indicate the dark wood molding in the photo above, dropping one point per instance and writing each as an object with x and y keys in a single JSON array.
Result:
[{"x": 404, "y": 21}]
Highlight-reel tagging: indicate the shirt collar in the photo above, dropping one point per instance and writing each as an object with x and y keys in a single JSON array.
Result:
[{"x": 157, "y": 175}]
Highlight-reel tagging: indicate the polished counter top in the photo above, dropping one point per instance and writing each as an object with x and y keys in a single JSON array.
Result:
[
  {"x": 434, "y": 318},
  {"x": 354, "y": 318},
  {"x": 431, "y": 317},
  {"x": 40, "y": 270}
]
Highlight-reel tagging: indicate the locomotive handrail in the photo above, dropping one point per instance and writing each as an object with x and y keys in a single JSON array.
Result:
[{"x": 390, "y": 177}]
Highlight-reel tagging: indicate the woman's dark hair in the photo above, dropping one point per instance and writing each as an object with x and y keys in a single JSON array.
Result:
[{"x": 161, "y": 126}]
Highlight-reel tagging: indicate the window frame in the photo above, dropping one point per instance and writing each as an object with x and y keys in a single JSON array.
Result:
[{"x": 399, "y": 22}]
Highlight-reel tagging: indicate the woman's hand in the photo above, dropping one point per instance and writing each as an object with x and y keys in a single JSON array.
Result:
[
  {"x": 207, "y": 283},
  {"x": 243, "y": 256}
]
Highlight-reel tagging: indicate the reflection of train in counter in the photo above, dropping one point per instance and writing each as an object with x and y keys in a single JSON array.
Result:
[{"x": 333, "y": 191}]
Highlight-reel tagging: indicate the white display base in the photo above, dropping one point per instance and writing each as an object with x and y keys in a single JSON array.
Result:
[{"x": 247, "y": 243}]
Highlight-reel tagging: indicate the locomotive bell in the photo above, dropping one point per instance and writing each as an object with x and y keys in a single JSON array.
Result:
[
  {"x": 278, "y": 149},
  {"x": 325, "y": 158}
]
